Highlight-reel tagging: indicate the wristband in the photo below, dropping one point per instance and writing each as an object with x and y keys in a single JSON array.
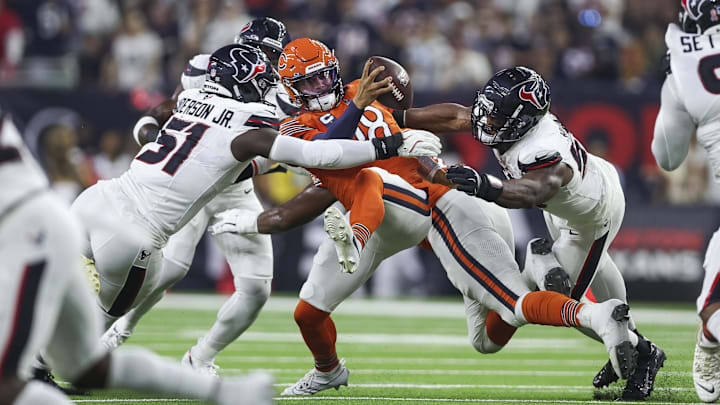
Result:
[
  {"x": 141, "y": 123},
  {"x": 387, "y": 147},
  {"x": 490, "y": 187}
]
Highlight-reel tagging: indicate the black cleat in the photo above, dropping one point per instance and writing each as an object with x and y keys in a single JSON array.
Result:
[
  {"x": 641, "y": 383},
  {"x": 556, "y": 279},
  {"x": 44, "y": 375},
  {"x": 605, "y": 376}
]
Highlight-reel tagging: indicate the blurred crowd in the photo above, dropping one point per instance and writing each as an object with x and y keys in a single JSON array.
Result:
[{"x": 143, "y": 45}]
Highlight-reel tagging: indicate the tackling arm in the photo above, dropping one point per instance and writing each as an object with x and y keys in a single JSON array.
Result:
[
  {"x": 446, "y": 117},
  {"x": 531, "y": 190},
  {"x": 299, "y": 210},
  {"x": 673, "y": 129}
]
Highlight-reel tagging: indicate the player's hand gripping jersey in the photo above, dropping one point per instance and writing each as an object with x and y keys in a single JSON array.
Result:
[
  {"x": 377, "y": 122},
  {"x": 171, "y": 179},
  {"x": 581, "y": 201},
  {"x": 694, "y": 86}
]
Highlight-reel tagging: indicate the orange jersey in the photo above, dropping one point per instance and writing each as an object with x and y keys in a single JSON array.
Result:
[{"x": 376, "y": 122}]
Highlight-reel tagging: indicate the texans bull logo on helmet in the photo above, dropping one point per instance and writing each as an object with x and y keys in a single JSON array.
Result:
[
  {"x": 535, "y": 92},
  {"x": 694, "y": 9},
  {"x": 245, "y": 68}
]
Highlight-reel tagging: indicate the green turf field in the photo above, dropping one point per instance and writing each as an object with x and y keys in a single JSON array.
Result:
[{"x": 418, "y": 352}]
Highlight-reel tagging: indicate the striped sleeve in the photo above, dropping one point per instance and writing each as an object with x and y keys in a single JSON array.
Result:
[
  {"x": 292, "y": 127},
  {"x": 257, "y": 121}
]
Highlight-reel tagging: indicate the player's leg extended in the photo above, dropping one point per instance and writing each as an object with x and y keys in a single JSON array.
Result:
[
  {"x": 39, "y": 244},
  {"x": 327, "y": 287},
  {"x": 479, "y": 263},
  {"x": 366, "y": 214},
  {"x": 251, "y": 262},
  {"x": 706, "y": 362},
  {"x": 177, "y": 258},
  {"x": 75, "y": 353}
]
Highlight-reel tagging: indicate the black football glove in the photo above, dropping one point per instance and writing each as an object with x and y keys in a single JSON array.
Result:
[{"x": 473, "y": 183}]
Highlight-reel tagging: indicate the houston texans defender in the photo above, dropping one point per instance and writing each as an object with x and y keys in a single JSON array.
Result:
[
  {"x": 207, "y": 143},
  {"x": 689, "y": 104},
  {"x": 580, "y": 195},
  {"x": 47, "y": 304},
  {"x": 250, "y": 256},
  {"x": 471, "y": 237}
]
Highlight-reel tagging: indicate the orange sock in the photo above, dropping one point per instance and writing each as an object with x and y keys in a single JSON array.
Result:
[
  {"x": 368, "y": 208},
  {"x": 498, "y": 330},
  {"x": 318, "y": 331},
  {"x": 551, "y": 308}
]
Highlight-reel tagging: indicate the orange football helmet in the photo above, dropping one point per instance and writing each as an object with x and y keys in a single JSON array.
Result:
[{"x": 311, "y": 74}]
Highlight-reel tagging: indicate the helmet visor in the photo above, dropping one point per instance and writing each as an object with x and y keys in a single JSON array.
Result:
[{"x": 318, "y": 83}]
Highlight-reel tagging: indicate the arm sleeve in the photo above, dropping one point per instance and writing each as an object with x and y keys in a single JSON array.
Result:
[
  {"x": 673, "y": 129},
  {"x": 328, "y": 154},
  {"x": 343, "y": 127}
]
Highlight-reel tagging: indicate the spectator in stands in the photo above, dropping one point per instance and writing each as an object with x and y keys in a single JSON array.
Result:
[
  {"x": 12, "y": 39},
  {"x": 112, "y": 160},
  {"x": 136, "y": 55},
  {"x": 51, "y": 24},
  {"x": 67, "y": 168}
]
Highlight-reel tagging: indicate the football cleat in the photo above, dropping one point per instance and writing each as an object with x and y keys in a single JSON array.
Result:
[
  {"x": 254, "y": 389},
  {"x": 91, "y": 274},
  {"x": 605, "y": 376},
  {"x": 315, "y": 381},
  {"x": 114, "y": 336},
  {"x": 641, "y": 383},
  {"x": 338, "y": 229},
  {"x": 203, "y": 367},
  {"x": 609, "y": 320},
  {"x": 43, "y": 374},
  {"x": 706, "y": 371},
  {"x": 543, "y": 269}
]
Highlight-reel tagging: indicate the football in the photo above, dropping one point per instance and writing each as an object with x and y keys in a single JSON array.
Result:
[{"x": 401, "y": 96}]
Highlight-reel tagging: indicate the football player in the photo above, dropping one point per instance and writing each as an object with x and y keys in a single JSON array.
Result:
[
  {"x": 250, "y": 256},
  {"x": 208, "y": 142},
  {"x": 580, "y": 194},
  {"x": 47, "y": 304},
  {"x": 471, "y": 237},
  {"x": 689, "y": 104}
]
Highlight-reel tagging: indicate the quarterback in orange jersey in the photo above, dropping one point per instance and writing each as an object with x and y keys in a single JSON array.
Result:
[{"x": 393, "y": 208}]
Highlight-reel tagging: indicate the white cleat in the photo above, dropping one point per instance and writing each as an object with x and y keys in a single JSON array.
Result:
[
  {"x": 203, "y": 367},
  {"x": 338, "y": 229},
  {"x": 254, "y": 389},
  {"x": 706, "y": 372},
  {"x": 610, "y": 321},
  {"x": 315, "y": 381},
  {"x": 114, "y": 336}
]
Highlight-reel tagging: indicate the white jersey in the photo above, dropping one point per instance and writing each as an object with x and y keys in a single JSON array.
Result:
[
  {"x": 694, "y": 62},
  {"x": 20, "y": 175},
  {"x": 191, "y": 162},
  {"x": 580, "y": 201}
]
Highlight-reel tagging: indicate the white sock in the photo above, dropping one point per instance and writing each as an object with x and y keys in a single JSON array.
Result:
[
  {"x": 170, "y": 274},
  {"x": 713, "y": 326},
  {"x": 234, "y": 317},
  {"x": 37, "y": 393},
  {"x": 141, "y": 370}
]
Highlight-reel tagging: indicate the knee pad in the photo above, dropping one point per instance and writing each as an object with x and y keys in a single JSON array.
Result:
[{"x": 482, "y": 344}]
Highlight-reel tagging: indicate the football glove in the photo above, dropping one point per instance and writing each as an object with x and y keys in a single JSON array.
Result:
[
  {"x": 468, "y": 180},
  {"x": 234, "y": 221}
]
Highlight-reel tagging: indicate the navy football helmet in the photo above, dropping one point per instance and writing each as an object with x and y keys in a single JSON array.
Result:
[
  {"x": 268, "y": 34},
  {"x": 511, "y": 103},
  {"x": 240, "y": 72},
  {"x": 697, "y": 16}
]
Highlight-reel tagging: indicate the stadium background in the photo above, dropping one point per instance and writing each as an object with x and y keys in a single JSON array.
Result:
[{"x": 78, "y": 73}]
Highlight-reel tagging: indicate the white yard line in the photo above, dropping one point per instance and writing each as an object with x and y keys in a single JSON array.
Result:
[
  {"x": 565, "y": 388},
  {"x": 479, "y": 401},
  {"x": 481, "y": 361},
  {"x": 126, "y": 400},
  {"x": 557, "y": 373},
  {"x": 411, "y": 308}
]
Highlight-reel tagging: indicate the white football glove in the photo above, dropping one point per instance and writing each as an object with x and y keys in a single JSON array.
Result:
[
  {"x": 234, "y": 221},
  {"x": 417, "y": 142}
]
